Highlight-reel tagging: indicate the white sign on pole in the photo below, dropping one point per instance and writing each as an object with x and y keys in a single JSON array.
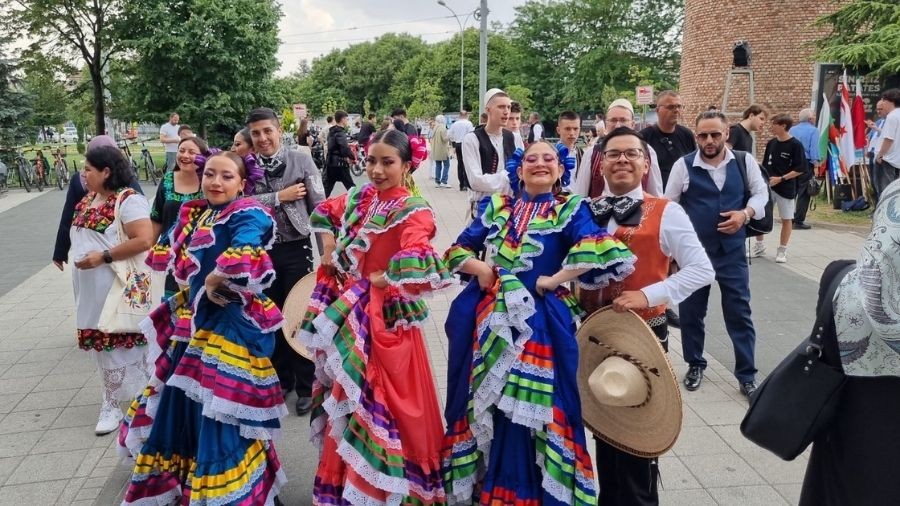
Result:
[{"x": 644, "y": 95}]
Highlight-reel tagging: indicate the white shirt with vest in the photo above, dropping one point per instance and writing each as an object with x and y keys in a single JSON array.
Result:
[
  {"x": 480, "y": 184},
  {"x": 677, "y": 240},
  {"x": 679, "y": 180}
]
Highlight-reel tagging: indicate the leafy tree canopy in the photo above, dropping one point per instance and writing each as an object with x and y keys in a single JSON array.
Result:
[{"x": 864, "y": 34}]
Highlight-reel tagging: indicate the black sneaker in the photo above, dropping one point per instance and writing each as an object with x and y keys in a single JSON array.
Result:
[
  {"x": 802, "y": 226},
  {"x": 748, "y": 389},
  {"x": 693, "y": 378},
  {"x": 672, "y": 318}
]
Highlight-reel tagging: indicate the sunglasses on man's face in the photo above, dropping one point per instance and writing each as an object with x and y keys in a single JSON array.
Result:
[{"x": 706, "y": 135}]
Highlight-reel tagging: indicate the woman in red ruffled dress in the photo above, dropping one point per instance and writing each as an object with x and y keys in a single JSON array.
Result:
[{"x": 376, "y": 416}]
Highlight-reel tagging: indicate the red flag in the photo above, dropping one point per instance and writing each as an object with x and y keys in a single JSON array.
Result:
[{"x": 858, "y": 114}]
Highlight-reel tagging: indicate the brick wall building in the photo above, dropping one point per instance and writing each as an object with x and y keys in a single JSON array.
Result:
[{"x": 780, "y": 33}]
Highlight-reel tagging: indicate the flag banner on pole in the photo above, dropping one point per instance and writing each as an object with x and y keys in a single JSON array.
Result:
[{"x": 846, "y": 143}]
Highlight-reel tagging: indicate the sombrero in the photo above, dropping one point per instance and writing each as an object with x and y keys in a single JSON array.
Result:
[
  {"x": 294, "y": 308},
  {"x": 629, "y": 394}
]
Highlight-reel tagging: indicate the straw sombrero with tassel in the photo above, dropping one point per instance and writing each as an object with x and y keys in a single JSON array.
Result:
[
  {"x": 630, "y": 396},
  {"x": 295, "y": 306}
]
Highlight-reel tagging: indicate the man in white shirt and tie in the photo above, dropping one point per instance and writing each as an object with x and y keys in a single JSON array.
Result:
[{"x": 657, "y": 231}]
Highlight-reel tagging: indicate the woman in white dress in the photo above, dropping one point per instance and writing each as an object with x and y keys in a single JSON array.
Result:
[{"x": 95, "y": 245}]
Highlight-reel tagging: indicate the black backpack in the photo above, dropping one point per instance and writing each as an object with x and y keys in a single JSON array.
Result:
[{"x": 762, "y": 226}]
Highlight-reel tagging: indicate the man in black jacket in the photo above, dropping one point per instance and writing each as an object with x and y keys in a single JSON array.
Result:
[{"x": 337, "y": 167}]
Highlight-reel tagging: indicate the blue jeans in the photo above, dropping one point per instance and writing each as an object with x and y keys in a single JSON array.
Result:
[
  {"x": 170, "y": 160},
  {"x": 442, "y": 170},
  {"x": 733, "y": 277}
]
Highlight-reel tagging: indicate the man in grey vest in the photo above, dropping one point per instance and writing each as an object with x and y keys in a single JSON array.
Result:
[{"x": 291, "y": 187}]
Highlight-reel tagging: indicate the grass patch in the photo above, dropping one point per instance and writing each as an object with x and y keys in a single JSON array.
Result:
[{"x": 825, "y": 213}]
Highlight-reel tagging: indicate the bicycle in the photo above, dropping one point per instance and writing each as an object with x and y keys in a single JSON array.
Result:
[
  {"x": 149, "y": 165},
  {"x": 127, "y": 152},
  {"x": 60, "y": 166},
  {"x": 26, "y": 172}
]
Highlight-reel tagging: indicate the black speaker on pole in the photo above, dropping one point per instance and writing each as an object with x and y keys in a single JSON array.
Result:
[{"x": 741, "y": 52}]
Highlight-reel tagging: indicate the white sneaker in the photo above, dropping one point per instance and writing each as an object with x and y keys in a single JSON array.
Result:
[
  {"x": 781, "y": 255},
  {"x": 109, "y": 420},
  {"x": 758, "y": 249}
]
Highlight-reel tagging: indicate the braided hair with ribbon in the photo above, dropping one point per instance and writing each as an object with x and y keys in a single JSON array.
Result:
[{"x": 515, "y": 161}]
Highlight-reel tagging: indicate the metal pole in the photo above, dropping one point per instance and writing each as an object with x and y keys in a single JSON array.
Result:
[
  {"x": 482, "y": 56},
  {"x": 462, "y": 50}
]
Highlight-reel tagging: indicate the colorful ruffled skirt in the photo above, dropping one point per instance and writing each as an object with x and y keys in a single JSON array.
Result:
[
  {"x": 515, "y": 435},
  {"x": 376, "y": 416},
  {"x": 206, "y": 421}
]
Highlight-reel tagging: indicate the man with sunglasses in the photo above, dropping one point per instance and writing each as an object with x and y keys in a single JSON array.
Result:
[
  {"x": 710, "y": 186},
  {"x": 657, "y": 231},
  {"x": 670, "y": 140}
]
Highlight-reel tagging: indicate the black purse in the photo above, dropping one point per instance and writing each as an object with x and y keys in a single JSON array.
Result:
[{"x": 801, "y": 396}]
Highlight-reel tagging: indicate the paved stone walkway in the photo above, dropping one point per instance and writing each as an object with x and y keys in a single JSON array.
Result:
[{"x": 50, "y": 392}]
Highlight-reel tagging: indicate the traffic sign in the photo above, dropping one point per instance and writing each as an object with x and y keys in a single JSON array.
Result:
[{"x": 644, "y": 95}]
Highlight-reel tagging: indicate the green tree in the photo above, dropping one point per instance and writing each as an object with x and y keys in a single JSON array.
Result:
[
  {"x": 15, "y": 106},
  {"x": 570, "y": 49},
  {"x": 522, "y": 95},
  {"x": 83, "y": 29},
  {"x": 426, "y": 101},
  {"x": 44, "y": 81},
  {"x": 864, "y": 34},
  {"x": 193, "y": 56}
]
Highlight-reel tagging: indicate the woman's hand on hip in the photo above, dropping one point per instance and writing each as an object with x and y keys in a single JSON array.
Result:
[
  {"x": 545, "y": 284},
  {"x": 378, "y": 280}
]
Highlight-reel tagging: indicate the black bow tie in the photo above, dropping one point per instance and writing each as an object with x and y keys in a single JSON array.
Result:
[{"x": 626, "y": 210}]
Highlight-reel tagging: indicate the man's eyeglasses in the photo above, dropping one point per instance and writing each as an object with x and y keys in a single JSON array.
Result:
[
  {"x": 672, "y": 107},
  {"x": 706, "y": 135},
  {"x": 631, "y": 155}
]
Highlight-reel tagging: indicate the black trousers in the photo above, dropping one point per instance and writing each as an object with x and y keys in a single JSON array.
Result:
[
  {"x": 338, "y": 175},
  {"x": 803, "y": 196},
  {"x": 460, "y": 169},
  {"x": 625, "y": 479},
  {"x": 292, "y": 261}
]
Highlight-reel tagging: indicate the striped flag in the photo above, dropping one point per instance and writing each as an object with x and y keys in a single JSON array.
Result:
[{"x": 846, "y": 142}]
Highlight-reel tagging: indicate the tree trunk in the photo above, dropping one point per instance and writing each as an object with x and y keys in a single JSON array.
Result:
[{"x": 99, "y": 105}]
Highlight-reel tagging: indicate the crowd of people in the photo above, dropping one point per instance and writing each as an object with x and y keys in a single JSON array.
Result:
[{"x": 640, "y": 222}]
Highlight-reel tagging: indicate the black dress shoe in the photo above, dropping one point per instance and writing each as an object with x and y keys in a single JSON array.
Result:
[
  {"x": 278, "y": 501},
  {"x": 802, "y": 226},
  {"x": 303, "y": 406},
  {"x": 748, "y": 389},
  {"x": 672, "y": 318},
  {"x": 693, "y": 378}
]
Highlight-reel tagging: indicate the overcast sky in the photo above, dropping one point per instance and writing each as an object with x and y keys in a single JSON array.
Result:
[{"x": 311, "y": 28}]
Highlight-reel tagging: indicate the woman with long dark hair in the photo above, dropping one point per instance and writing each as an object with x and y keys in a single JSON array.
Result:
[
  {"x": 514, "y": 429},
  {"x": 376, "y": 417},
  {"x": 203, "y": 430},
  {"x": 180, "y": 185}
]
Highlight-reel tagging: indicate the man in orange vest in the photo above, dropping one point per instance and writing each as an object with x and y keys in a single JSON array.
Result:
[{"x": 657, "y": 231}]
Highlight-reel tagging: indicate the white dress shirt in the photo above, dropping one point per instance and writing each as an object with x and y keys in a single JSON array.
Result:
[
  {"x": 679, "y": 180},
  {"x": 677, "y": 240},
  {"x": 480, "y": 184},
  {"x": 582, "y": 181},
  {"x": 459, "y": 129}
]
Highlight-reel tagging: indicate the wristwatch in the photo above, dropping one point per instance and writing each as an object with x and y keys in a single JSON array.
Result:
[
  {"x": 746, "y": 216},
  {"x": 107, "y": 257}
]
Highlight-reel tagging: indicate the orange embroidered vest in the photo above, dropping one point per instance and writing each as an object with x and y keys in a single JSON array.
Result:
[{"x": 652, "y": 264}]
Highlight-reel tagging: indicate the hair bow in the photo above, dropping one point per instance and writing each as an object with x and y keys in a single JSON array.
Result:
[
  {"x": 567, "y": 162},
  {"x": 512, "y": 168},
  {"x": 419, "y": 150}
]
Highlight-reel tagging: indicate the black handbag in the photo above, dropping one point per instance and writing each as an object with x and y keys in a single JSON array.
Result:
[
  {"x": 813, "y": 187},
  {"x": 801, "y": 396}
]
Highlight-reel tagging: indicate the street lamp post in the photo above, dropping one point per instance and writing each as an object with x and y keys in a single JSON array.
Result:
[{"x": 462, "y": 25}]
